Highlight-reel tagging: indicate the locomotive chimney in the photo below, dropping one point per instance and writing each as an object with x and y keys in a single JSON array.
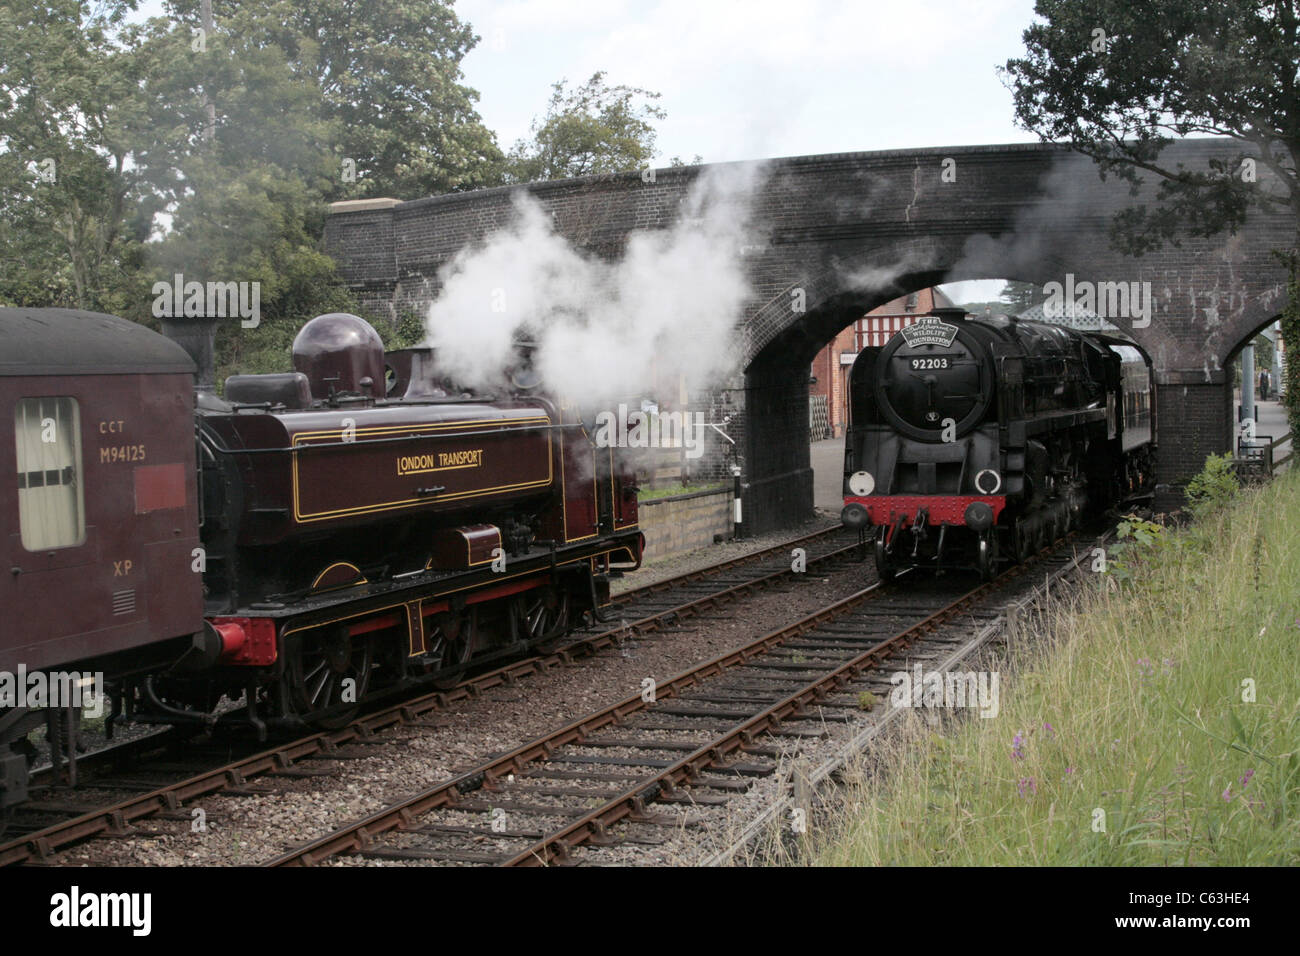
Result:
[{"x": 197, "y": 336}]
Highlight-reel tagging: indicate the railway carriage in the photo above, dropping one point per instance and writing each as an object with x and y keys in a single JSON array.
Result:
[
  {"x": 974, "y": 441},
  {"x": 98, "y": 509}
]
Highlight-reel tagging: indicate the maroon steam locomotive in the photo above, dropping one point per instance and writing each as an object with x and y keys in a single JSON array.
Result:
[{"x": 276, "y": 555}]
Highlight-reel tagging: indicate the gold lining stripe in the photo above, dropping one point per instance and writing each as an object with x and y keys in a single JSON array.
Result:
[
  {"x": 429, "y": 471},
  {"x": 339, "y": 564},
  {"x": 614, "y": 505},
  {"x": 435, "y": 426},
  {"x": 564, "y": 490}
]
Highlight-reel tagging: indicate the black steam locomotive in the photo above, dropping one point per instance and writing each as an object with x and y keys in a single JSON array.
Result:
[
  {"x": 280, "y": 553},
  {"x": 975, "y": 441}
]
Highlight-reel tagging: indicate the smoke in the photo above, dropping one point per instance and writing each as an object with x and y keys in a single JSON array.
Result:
[
  {"x": 1069, "y": 195},
  {"x": 873, "y": 278},
  {"x": 603, "y": 330}
]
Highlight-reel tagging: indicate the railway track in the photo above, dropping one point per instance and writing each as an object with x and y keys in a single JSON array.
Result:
[
  {"x": 802, "y": 786},
  {"x": 695, "y": 741},
  {"x": 642, "y": 610},
  {"x": 188, "y": 772}
]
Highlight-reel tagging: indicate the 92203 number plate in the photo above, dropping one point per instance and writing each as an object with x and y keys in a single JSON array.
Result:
[{"x": 922, "y": 364}]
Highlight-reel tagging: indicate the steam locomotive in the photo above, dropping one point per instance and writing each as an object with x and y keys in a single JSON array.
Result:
[
  {"x": 977, "y": 441},
  {"x": 275, "y": 556}
]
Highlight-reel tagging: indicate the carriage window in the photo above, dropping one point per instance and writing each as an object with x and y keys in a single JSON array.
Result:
[{"x": 51, "y": 506}]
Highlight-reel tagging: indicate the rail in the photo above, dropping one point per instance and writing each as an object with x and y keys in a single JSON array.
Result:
[{"x": 652, "y": 607}]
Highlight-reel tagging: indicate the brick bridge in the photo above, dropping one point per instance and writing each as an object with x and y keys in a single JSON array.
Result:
[{"x": 852, "y": 231}]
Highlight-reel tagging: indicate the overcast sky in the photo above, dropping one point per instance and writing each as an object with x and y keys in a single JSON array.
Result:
[{"x": 748, "y": 79}]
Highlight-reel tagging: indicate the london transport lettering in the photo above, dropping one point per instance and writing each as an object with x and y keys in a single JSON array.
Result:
[{"x": 440, "y": 461}]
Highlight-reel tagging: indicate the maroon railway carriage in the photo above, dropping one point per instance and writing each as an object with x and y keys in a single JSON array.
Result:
[
  {"x": 98, "y": 510},
  {"x": 98, "y": 513},
  {"x": 310, "y": 538}
]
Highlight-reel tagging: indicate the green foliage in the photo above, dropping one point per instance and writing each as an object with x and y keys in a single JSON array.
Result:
[
  {"x": 145, "y": 186},
  {"x": 1150, "y": 726},
  {"x": 1159, "y": 70},
  {"x": 676, "y": 488},
  {"x": 1213, "y": 487},
  {"x": 215, "y": 157},
  {"x": 72, "y": 131},
  {"x": 1016, "y": 297},
  {"x": 1162, "y": 69},
  {"x": 1139, "y": 539},
  {"x": 380, "y": 88},
  {"x": 591, "y": 129}
]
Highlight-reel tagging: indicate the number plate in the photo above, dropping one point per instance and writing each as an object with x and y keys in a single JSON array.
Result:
[{"x": 924, "y": 364}]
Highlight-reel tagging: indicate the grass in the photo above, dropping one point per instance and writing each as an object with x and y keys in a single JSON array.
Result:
[
  {"x": 667, "y": 491},
  {"x": 1153, "y": 719}
]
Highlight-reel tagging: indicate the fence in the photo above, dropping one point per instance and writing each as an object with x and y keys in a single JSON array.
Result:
[
  {"x": 1255, "y": 461},
  {"x": 819, "y": 418}
]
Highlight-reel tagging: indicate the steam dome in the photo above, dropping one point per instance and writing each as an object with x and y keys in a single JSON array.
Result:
[{"x": 340, "y": 353}]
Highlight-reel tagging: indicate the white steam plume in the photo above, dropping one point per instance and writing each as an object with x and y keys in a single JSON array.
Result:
[{"x": 604, "y": 330}]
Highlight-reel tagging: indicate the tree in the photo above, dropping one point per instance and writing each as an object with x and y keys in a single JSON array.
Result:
[
  {"x": 1017, "y": 296},
  {"x": 74, "y": 201},
  {"x": 385, "y": 78},
  {"x": 591, "y": 129},
  {"x": 132, "y": 151},
  {"x": 1119, "y": 81}
]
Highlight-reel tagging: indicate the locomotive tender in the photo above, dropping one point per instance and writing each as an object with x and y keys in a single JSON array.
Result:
[
  {"x": 973, "y": 441},
  {"x": 273, "y": 556}
]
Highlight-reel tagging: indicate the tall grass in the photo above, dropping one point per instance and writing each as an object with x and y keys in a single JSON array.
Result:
[{"x": 1127, "y": 734}]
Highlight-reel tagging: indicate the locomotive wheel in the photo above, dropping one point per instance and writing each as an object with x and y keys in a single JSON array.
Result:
[
  {"x": 1023, "y": 542},
  {"x": 543, "y": 617},
  {"x": 452, "y": 642},
  {"x": 886, "y": 570},
  {"x": 320, "y": 669}
]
